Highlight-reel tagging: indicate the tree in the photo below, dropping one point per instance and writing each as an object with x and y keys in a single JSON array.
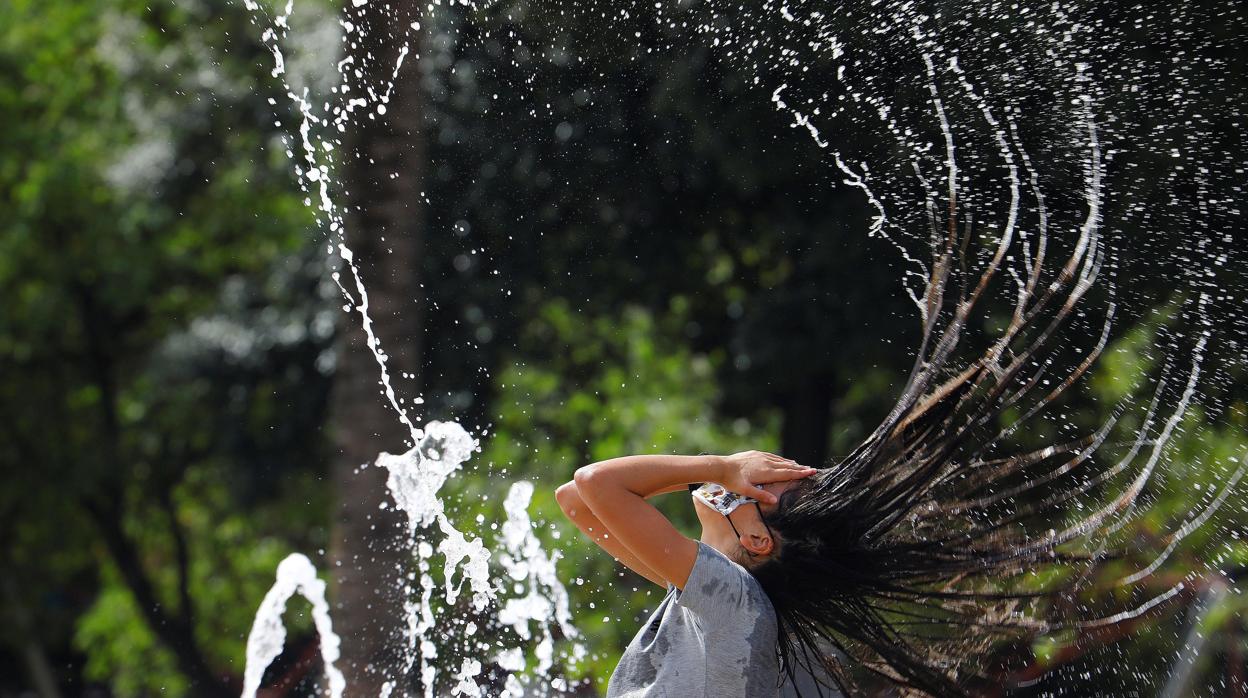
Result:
[
  {"x": 128, "y": 212},
  {"x": 383, "y": 177}
]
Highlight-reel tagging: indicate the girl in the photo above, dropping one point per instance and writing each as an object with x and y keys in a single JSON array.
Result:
[{"x": 715, "y": 633}]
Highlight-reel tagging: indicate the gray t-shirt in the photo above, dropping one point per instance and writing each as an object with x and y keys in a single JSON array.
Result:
[{"x": 716, "y": 638}]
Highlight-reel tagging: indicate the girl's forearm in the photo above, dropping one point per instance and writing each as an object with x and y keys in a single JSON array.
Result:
[
  {"x": 615, "y": 491},
  {"x": 644, "y": 475},
  {"x": 580, "y": 515}
]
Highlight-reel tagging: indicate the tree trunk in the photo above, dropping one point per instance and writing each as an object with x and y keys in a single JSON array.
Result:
[
  {"x": 37, "y": 664},
  {"x": 175, "y": 631},
  {"x": 382, "y": 175}
]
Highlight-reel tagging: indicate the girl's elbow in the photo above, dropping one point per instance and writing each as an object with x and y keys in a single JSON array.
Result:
[
  {"x": 584, "y": 477},
  {"x": 590, "y": 482}
]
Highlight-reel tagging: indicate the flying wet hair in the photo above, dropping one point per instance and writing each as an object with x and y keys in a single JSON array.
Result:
[{"x": 905, "y": 558}]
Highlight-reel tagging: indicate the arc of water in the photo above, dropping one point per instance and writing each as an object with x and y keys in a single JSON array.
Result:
[{"x": 295, "y": 575}]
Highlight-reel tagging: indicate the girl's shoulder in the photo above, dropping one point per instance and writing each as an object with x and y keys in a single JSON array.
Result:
[{"x": 720, "y": 589}]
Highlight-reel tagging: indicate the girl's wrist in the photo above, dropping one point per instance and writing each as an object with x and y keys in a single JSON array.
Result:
[{"x": 717, "y": 467}]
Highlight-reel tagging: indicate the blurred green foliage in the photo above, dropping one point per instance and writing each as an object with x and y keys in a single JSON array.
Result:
[{"x": 141, "y": 212}]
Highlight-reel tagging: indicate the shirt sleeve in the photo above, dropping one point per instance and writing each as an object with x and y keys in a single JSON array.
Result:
[{"x": 718, "y": 588}]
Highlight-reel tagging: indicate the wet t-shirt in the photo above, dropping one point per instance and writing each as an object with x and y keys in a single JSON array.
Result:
[{"x": 716, "y": 638}]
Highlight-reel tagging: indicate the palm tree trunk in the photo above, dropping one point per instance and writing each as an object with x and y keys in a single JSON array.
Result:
[{"x": 383, "y": 173}]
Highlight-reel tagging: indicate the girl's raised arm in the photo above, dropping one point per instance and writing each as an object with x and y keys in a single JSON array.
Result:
[
  {"x": 615, "y": 492},
  {"x": 624, "y": 524},
  {"x": 578, "y": 513}
]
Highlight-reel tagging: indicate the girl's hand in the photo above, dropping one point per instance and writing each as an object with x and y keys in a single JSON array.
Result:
[{"x": 745, "y": 470}]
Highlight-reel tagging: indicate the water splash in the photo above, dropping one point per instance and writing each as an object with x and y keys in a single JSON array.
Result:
[
  {"x": 438, "y": 449},
  {"x": 414, "y": 480},
  {"x": 295, "y": 575},
  {"x": 526, "y": 563}
]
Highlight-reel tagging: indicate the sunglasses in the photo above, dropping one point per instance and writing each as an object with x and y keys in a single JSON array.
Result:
[{"x": 715, "y": 496}]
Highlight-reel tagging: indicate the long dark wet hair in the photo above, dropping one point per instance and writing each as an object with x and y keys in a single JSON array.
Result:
[{"x": 905, "y": 557}]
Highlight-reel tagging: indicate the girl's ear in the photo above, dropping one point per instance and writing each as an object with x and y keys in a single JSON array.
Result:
[{"x": 756, "y": 544}]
